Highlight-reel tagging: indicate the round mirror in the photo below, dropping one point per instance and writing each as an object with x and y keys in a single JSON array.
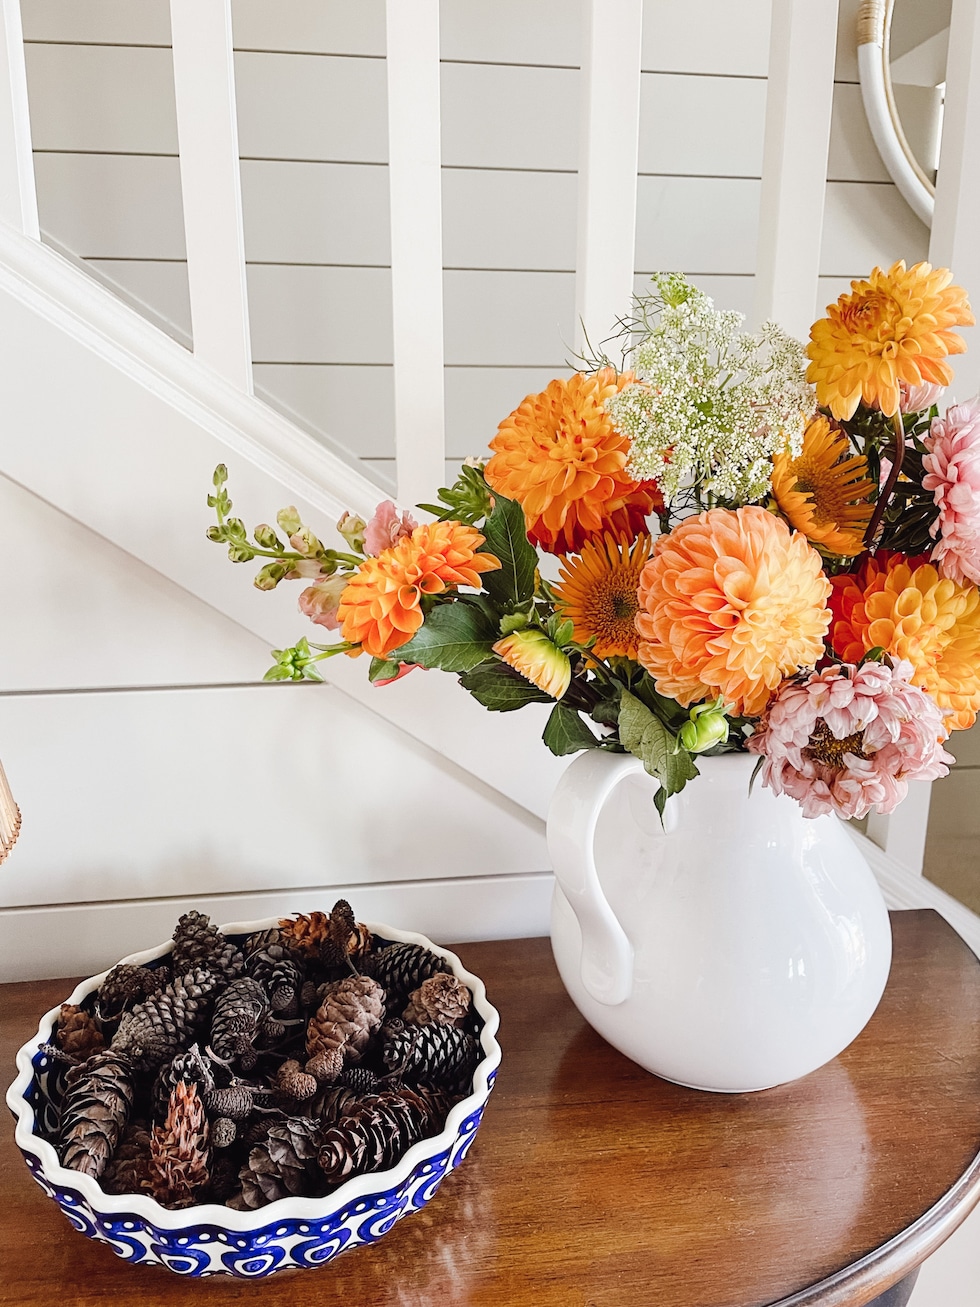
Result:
[{"x": 902, "y": 48}]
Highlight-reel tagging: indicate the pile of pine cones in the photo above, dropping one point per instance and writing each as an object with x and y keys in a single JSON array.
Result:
[{"x": 280, "y": 1065}]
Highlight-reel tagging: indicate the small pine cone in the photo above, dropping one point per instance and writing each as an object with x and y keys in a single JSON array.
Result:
[
  {"x": 167, "y": 1022},
  {"x": 309, "y": 995},
  {"x": 191, "y": 1067},
  {"x": 283, "y": 1165},
  {"x": 260, "y": 940},
  {"x": 293, "y": 1083},
  {"x": 278, "y": 971},
  {"x": 271, "y": 1030},
  {"x": 306, "y": 934},
  {"x": 237, "y": 1013},
  {"x": 349, "y": 937},
  {"x": 333, "y": 1102},
  {"x": 95, "y": 1111},
  {"x": 235, "y": 1102},
  {"x": 442, "y": 1000},
  {"x": 129, "y": 1165},
  {"x": 223, "y": 1132},
  {"x": 440, "y": 1055},
  {"x": 361, "y": 1079},
  {"x": 179, "y": 1153},
  {"x": 77, "y": 1032},
  {"x": 401, "y": 968},
  {"x": 199, "y": 944},
  {"x": 373, "y": 1136},
  {"x": 351, "y": 1011},
  {"x": 127, "y": 985}
]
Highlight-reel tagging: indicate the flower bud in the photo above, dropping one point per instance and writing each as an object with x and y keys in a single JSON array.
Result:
[
  {"x": 265, "y": 536},
  {"x": 352, "y": 527},
  {"x": 531, "y": 653},
  {"x": 289, "y": 520},
  {"x": 707, "y": 727}
]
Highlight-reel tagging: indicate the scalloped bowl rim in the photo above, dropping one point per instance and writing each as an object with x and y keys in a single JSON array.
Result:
[{"x": 361, "y": 1186}]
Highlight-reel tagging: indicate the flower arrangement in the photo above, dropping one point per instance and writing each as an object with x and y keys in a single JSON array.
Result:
[{"x": 726, "y": 541}]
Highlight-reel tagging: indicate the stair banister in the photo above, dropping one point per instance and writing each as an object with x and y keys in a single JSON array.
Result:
[{"x": 18, "y": 198}]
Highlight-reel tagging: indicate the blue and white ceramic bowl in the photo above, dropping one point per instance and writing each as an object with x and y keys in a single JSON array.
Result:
[{"x": 211, "y": 1239}]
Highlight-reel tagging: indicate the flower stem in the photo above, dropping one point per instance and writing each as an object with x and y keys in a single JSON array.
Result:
[{"x": 896, "y": 470}]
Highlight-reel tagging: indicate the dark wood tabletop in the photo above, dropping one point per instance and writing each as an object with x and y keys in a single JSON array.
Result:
[{"x": 593, "y": 1184}]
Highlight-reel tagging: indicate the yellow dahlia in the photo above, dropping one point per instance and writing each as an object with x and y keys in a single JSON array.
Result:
[
  {"x": 559, "y": 456},
  {"x": 598, "y": 594},
  {"x": 381, "y": 607},
  {"x": 905, "y": 607},
  {"x": 531, "y": 653},
  {"x": 893, "y": 328},
  {"x": 731, "y": 603},
  {"x": 824, "y": 491}
]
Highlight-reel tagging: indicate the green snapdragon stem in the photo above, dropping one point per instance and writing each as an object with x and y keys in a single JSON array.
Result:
[{"x": 896, "y": 470}]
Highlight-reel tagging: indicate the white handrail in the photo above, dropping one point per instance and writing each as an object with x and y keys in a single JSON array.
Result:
[
  {"x": 18, "y": 198},
  {"x": 415, "y": 184},
  {"x": 608, "y": 161},
  {"x": 207, "y": 135}
]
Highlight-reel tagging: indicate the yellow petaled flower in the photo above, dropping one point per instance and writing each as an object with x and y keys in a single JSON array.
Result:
[
  {"x": 895, "y": 327},
  {"x": 381, "y": 607},
  {"x": 731, "y": 602},
  {"x": 538, "y": 660},
  {"x": 824, "y": 492},
  {"x": 559, "y": 456},
  {"x": 912, "y": 612},
  {"x": 598, "y": 594}
]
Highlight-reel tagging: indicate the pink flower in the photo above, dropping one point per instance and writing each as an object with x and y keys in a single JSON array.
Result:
[
  {"x": 916, "y": 399},
  {"x": 320, "y": 601},
  {"x": 386, "y": 528},
  {"x": 952, "y": 468},
  {"x": 849, "y": 739}
]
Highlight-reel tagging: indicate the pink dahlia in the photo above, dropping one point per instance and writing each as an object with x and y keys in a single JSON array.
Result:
[
  {"x": 916, "y": 399},
  {"x": 386, "y": 528},
  {"x": 849, "y": 739},
  {"x": 952, "y": 468}
]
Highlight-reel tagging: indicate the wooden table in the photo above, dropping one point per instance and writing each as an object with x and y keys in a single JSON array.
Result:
[{"x": 594, "y": 1184}]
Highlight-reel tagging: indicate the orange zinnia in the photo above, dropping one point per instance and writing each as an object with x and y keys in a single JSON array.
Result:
[
  {"x": 598, "y": 594},
  {"x": 893, "y": 328},
  {"x": 824, "y": 491},
  {"x": 381, "y": 607},
  {"x": 905, "y": 607},
  {"x": 559, "y": 456},
  {"x": 731, "y": 603}
]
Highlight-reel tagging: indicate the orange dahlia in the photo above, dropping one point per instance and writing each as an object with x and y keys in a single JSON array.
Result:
[
  {"x": 559, "y": 456},
  {"x": 381, "y": 607},
  {"x": 598, "y": 594},
  {"x": 905, "y": 607},
  {"x": 824, "y": 491},
  {"x": 538, "y": 660},
  {"x": 893, "y": 328},
  {"x": 731, "y": 603}
]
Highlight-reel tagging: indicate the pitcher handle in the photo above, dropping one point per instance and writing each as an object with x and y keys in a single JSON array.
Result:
[{"x": 607, "y": 954}]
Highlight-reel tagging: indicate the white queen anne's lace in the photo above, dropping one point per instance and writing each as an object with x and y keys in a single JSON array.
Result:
[{"x": 712, "y": 404}]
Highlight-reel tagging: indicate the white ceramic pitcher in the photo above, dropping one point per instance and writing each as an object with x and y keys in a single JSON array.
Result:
[{"x": 738, "y": 946}]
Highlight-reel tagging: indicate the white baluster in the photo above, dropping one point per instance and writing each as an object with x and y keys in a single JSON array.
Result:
[
  {"x": 207, "y": 134},
  {"x": 18, "y": 198},
  {"x": 799, "y": 98},
  {"x": 608, "y": 151},
  {"x": 902, "y": 835},
  {"x": 415, "y": 182}
]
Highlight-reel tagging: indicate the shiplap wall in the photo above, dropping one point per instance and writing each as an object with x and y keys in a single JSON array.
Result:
[{"x": 312, "y": 125}]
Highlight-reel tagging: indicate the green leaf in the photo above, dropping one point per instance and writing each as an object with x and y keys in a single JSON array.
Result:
[
  {"x": 606, "y": 712},
  {"x": 500, "y": 688},
  {"x": 383, "y": 669},
  {"x": 511, "y": 622},
  {"x": 506, "y": 536},
  {"x": 454, "y": 637},
  {"x": 311, "y": 672},
  {"x": 278, "y": 673},
  {"x": 565, "y": 732},
  {"x": 669, "y": 711},
  {"x": 643, "y": 734}
]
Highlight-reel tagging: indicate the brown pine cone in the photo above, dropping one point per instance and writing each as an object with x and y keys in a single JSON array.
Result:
[
  {"x": 438, "y": 1055},
  {"x": 351, "y": 1011},
  {"x": 237, "y": 1014},
  {"x": 223, "y": 1132},
  {"x": 95, "y": 1111},
  {"x": 442, "y": 1000},
  {"x": 305, "y": 934},
  {"x": 374, "y": 1136},
  {"x": 332, "y": 1102},
  {"x": 282, "y": 1165},
  {"x": 77, "y": 1032},
  {"x": 129, "y": 1166},
  {"x": 199, "y": 944},
  {"x": 127, "y": 985},
  {"x": 400, "y": 968},
  {"x": 350, "y": 938},
  {"x": 179, "y": 1154},
  {"x": 279, "y": 972},
  {"x": 192, "y": 1067},
  {"x": 235, "y": 1101},
  {"x": 166, "y": 1023},
  {"x": 293, "y": 1083}
]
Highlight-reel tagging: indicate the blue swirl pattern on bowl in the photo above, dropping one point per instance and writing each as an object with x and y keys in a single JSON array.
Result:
[{"x": 290, "y": 1233}]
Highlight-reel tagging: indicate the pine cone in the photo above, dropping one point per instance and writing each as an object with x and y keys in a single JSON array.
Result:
[
  {"x": 349, "y": 937},
  {"x": 224, "y": 1177},
  {"x": 127, "y": 985},
  {"x": 361, "y": 1079},
  {"x": 192, "y": 1067},
  {"x": 237, "y": 1013},
  {"x": 165, "y": 1023},
  {"x": 442, "y": 1000},
  {"x": 179, "y": 1153},
  {"x": 306, "y": 933},
  {"x": 77, "y": 1032},
  {"x": 235, "y": 1102},
  {"x": 283, "y": 1165},
  {"x": 339, "y": 1032},
  {"x": 95, "y": 1111},
  {"x": 400, "y": 968},
  {"x": 129, "y": 1166},
  {"x": 333, "y": 1102},
  {"x": 293, "y": 1083},
  {"x": 374, "y": 1136},
  {"x": 278, "y": 972},
  {"x": 223, "y": 1132},
  {"x": 439, "y": 1055},
  {"x": 199, "y": 944}
]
